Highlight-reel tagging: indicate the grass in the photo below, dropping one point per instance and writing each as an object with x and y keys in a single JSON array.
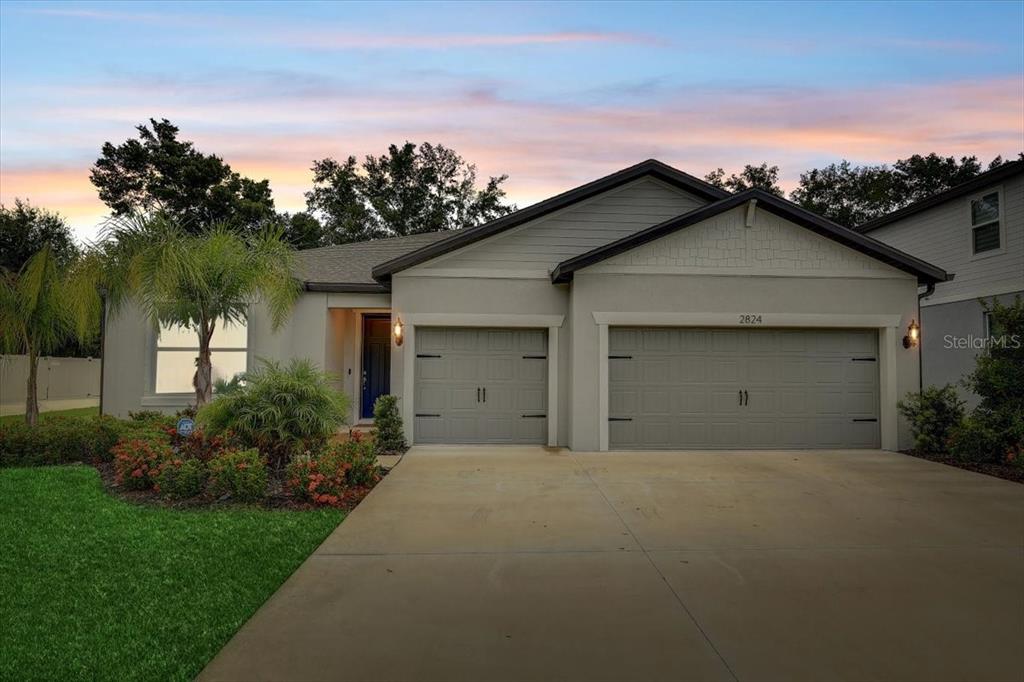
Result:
[
  {"x": 97, "y": 588},
  {"x": 43, "y": 416}
]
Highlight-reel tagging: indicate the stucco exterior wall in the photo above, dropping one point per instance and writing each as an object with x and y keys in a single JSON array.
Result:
[
  {"x": 456, "y": 298},
  {"x": 711, "y": 295}
]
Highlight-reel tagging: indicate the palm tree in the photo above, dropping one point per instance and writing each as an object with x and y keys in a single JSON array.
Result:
[
  {"x": 194, "y": 280},
  {"x": 40, "y": 310}
]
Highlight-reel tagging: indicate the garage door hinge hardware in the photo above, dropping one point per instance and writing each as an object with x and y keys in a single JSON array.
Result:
[
  {"x": 535, "y": 357},
  {"x": 424, "y": 355},
  {"x": 865, "y": 420},
  {"x": 428, "y": 415},
  {"x": 534, "y": 416},
  {"x": 863, "y": 359},
  {"x": 620, "y": 357},
  {"x": 620, "y": 419}
]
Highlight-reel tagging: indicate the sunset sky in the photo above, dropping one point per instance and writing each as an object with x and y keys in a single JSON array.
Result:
[{"x": 552, "y": 94}]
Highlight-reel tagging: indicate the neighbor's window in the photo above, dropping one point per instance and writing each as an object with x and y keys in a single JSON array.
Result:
[
  {"x": 985, "y": 222},
  {"x": 177, "y": 349}
]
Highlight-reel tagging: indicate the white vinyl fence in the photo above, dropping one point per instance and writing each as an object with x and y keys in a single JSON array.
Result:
[{"x": 63, "y": 383}]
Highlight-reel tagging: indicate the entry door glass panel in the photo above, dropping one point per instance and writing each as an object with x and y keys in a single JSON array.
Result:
[
  {"x": 480, "y": 385},
  {"x": 737, "y": 388}
]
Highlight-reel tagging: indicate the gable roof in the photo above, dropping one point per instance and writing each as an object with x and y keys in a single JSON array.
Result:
[
  {"x": 460, "y": 238},
  {"x": 346, "y": 267},
  {"x": 925, "y": 272},
  {"x": 976, "y": 183}
]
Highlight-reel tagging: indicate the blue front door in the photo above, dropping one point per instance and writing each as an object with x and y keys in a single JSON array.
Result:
[{"x": 376, "y": 379}]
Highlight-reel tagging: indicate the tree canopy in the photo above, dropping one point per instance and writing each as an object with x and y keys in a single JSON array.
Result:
[
  {"x": 761, "y": 177},
  {"x": 159, "y": 172},
  {"x": 26, "y": 229},
  {"x": 409, "y": 190},
  {"x": 852, "y": 195}
]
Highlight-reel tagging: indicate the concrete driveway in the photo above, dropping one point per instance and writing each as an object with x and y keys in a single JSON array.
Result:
[{"x": 529, "y": 564}]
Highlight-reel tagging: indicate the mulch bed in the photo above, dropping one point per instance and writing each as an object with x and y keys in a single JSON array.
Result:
[
  {"x": 276, "y": 498},
  {"x": 1008, "y": 472}
]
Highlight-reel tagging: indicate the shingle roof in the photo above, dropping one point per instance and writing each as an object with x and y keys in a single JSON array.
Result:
[{"x": 347, "y": 267}]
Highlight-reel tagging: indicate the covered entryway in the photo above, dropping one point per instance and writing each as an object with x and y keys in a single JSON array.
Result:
[
  {"x": 674, "y": 388},
  {"x": 475, "y": 385}
]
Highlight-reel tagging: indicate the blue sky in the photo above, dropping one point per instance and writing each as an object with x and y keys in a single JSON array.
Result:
[{"x": 552, "y": 94}]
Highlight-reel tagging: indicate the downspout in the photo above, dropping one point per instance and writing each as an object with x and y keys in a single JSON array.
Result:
[{"x": 928, "y": 291}]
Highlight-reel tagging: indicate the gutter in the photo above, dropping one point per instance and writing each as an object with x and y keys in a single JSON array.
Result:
[{"x": 928, "y": 291}]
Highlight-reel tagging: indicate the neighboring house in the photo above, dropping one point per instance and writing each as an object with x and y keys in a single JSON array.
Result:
[
  {"x": 647, "y": 309},
  {"x": 975, "y": 230}
]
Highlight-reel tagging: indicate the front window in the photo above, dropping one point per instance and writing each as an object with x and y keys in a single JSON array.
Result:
[
  {"x": 178, "y": 347},
  {"x": 985, "y": 223}
]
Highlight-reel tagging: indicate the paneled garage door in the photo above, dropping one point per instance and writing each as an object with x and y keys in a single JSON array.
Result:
[
  {"x": 742, "y": 388},
  {"x": 481, "y": 385}
]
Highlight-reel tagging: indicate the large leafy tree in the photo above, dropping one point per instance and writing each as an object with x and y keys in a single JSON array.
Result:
[
  {"x": 761, "y": 177},
  {"x": 159, "y": 172},
  {"x": 409, "y": 190},
  {"x": 851, "y": 195},
  {"x": 195, "y": 280},
  {"x": 26, "y": 229},
  {"x": 41, "y": 308}
]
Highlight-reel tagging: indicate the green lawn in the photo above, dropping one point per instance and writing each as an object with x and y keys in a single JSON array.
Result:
[
  {"x": 43, "y": 416},
  {"x": 95, "y": 588}
]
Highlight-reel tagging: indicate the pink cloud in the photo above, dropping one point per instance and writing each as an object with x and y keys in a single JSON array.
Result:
[{"x": 545, "y": 146}]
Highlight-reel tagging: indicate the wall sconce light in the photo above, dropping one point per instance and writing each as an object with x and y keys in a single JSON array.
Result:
[
  {"x": 913, "y": 336},
  {"x": 399, "y": 330}
]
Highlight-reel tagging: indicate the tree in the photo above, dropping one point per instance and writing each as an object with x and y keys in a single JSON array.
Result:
[
  {"x": 195, "y": 280},
  {"x": 159, "y": 172},
  {"x": 852, "y": 195},
  {"x": 761, "y": 177},
  {"x": 39, "y": 312},
  {"x": 302, "y": 230},
  {"x": 409, "y": 190},
  {"x": 25, "y": 230}
]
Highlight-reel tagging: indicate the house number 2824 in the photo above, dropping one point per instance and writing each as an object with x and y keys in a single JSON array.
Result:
[{"x": 750, "y": 319}]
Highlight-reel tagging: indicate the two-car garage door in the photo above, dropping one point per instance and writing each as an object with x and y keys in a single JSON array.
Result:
[{"x": 742, "y": 388}]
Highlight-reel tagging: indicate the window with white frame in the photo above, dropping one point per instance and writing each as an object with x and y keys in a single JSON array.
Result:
[
  {"x": 985, "y": 223},
  {"x": 178, "y": 347}
]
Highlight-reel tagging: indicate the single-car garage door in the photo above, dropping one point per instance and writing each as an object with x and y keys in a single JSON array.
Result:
[
  {"x": 742, "y": 388},
  {"x": 480, "y": 385}
]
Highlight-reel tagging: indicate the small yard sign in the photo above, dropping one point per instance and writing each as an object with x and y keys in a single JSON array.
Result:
[{"x": 185, "y": 427}]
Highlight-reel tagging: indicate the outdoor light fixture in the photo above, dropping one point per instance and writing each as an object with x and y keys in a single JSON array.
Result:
[
  {"x": 399, "y": 332},
  {"x": 913, "y": 336}
]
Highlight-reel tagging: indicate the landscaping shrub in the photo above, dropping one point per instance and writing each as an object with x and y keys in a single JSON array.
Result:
[
  {"x": 934, "y": 415},
  {"x": 181, "y": 479},
  {"x": 62, "y": 440},
  {"x": 388, "y": 434},
  {"x": 146, "y": 416},
  {"x": 994, "y": 432},
  {"x": 238, "y": 474},
  {"x": 332, "y": 475},
  {"x": 281, "y": 411},
  {"x": 137, "y": 461}
]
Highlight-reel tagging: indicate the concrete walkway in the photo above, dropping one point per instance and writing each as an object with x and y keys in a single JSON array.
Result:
[{"x": 528, "y": 564}]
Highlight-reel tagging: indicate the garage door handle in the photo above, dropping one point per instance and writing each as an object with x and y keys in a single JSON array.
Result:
[
  {"x": 535, "y": 357},
  {"x": 425, "y": 355},
  {"x": 485, "y": 394},
  {"x": 865, "y": 420},
  {"x": 620, "y": 419},
  {"x": 533, "y": 416},
  {"x": 863, "y": 360},
  {"x": 478, "y": 394},
  {"x": 620, "y": 357},
  {"x": 746, "y": 397},
  {"x": 428, "y": 415},
  {"x": 741, "y": 397}
]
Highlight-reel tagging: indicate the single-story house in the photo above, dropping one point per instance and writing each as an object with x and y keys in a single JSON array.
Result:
[
  {"x": 975, "y": 229},
  {"x": 647, "y": 309}
]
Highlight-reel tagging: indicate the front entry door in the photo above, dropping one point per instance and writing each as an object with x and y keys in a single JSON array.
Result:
[{"x": 376, "y": 379}]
